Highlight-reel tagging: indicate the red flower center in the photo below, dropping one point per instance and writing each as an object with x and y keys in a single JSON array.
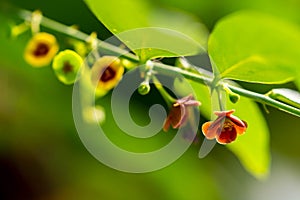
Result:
[
  {"x": 41, "y": 50},
  {"x": 108, "y": 74},
  {"x": 67, "y": 67},
  {"x": 228, "y": 133}
]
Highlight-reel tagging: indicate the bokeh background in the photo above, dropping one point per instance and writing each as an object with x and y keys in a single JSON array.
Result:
[{"x": 42, "y": 157}]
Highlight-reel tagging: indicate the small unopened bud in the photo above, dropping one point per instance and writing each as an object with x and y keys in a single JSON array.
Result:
[
  {"x": 234, "y": 98},
  {"x": 144, "y": 88},
  {"x": 19, "y": 29}
]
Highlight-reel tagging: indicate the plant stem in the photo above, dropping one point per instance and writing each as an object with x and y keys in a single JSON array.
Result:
[
  {"x": 166, "y": 96},
  {"x": 261, "y": 98},
  {"x": 206, "y": 78},
  {"x": 220, "y": 99},
  {"x": 74, "y": 33}
]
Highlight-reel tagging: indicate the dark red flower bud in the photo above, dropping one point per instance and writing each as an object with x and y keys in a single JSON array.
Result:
[{"x": 179, "y": 113}]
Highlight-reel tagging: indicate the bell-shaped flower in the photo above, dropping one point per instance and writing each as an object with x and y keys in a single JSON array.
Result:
[
  {"x": 225, "y": 128},
  {"x": 179, "y": 112}
]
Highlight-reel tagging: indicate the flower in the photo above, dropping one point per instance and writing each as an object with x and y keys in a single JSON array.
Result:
[
  {"x": 41, "y": 49},
  {"x": 107, "y": 72},
  {"x": 66, "y": 66},
  {"x": 179, "y": 113},
  {"x": 225, "y": 128}
]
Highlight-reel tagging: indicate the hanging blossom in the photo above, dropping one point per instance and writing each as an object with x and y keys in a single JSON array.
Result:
[
  {"x": 179, "y": 112},
  {"x": 41, "y": 49},
  {"x": 225, "y": 128},
  {"x": 107, "y": 72},
  {"x": 66, "y": 66}
]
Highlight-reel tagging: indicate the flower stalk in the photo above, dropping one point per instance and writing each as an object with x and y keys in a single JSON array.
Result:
[
  {"x": 160, "y": 68},
  {"x": 166, "y": 96}
]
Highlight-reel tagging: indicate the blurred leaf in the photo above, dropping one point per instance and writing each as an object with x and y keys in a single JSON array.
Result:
[
  {"x": 286, "y": 95},
  {"x": 255, "y": 47},
  {"x": 194, "y": 174},
  {"x": 211, "y": 11},
  {"x": 297, "y": 81},
  {"x": 151, "y": 32},
  {"x": 252, "y": 148},
  {"x": 182, "y": 22},
  {"x": 83, "y": 177}
]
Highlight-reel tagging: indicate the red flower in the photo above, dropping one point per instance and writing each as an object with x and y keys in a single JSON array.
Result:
[
  {"x": 225, "y": 128},
  {"x": 179, "y": 113}
]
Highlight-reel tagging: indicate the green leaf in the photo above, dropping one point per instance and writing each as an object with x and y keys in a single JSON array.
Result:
[
  {"x": 286, "y": 95},
  {"x": 255, "y": 47},
  {"x": 150, "y": 31},
  {"x": 251, "y": 148},
  {"x": 297, "y": 81}
]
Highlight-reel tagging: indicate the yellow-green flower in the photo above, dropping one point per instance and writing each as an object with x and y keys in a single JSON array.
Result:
[
  {"x": 66, "y": 66},
  {"x": 41, "y": 49},
  {"x": 107, "y": 71}
]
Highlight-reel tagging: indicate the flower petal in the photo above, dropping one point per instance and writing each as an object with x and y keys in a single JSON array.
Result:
[
  {"x": 41, "y": 49},
  {"x": 192, "y": 103},
  {"x": 185, "y": 99},
  {"x": 227, "y": 135},
  {"x": 107, "y": 72},
  {"x": 167, "y": 124},
  {"x": 207, "y": 132},
  {"x": 237, "y": 121},
  {"x": 178, "y": 114},
  {"x": 241, "y": 130},
  {"x": 224, "y": 113}
]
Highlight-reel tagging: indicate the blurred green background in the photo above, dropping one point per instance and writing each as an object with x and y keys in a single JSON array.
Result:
[{"x": 42, "y": 157}]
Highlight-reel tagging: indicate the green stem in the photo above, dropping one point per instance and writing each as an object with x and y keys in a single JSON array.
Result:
[
  {"x": 166, "y": 96},
  {"x": 220, "y": 99},
  {"x": 261, "y": 98},
  {"x": 207, "y": 78},
  {"x": 74, "y": 33}
]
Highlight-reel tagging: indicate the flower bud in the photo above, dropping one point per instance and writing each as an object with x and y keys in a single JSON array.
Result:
[
  {"x": 144, "y": 88},
  {"x": 234, "y": 98},
  {"x": 17, "y": 30}
]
